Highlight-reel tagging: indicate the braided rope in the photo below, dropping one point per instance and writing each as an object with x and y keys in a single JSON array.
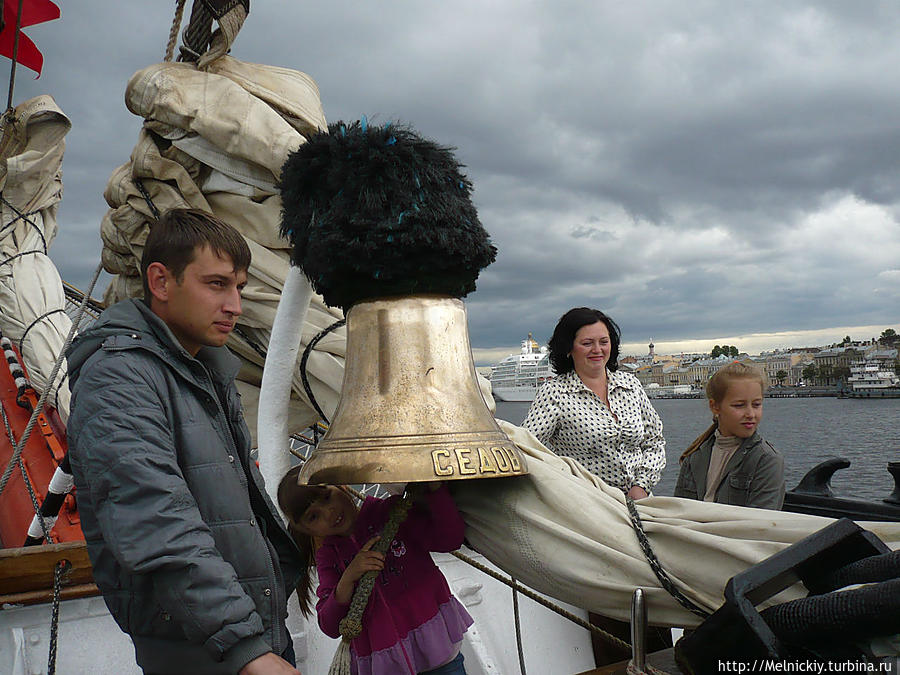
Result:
[
  {"x": 61, "y": 568},
  {"x": 351, "y": 625},
  {"x": 515, "y": 598},
  {"x": 173, "y": 32},
  {"x": 196, "y": 36},
  {"x": 648, "y": 669},
  {"x": 664, "y": 579},
  {"x": 250, "y": 341},
  {"x": 139, "y": 184},
  {"x": 20, "y": 254}
]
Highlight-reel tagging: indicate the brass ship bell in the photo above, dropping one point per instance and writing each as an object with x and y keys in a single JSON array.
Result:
[{"x": 411, "y": 409}]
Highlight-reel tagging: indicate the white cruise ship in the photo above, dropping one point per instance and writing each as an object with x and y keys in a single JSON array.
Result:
[{"x": 517, "y": 377}]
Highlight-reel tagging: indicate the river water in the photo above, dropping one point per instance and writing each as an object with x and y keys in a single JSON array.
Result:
[{"x": 805, "y": 430}]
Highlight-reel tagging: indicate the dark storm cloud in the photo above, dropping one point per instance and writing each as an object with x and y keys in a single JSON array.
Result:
[{"x": 698, "y": 169}]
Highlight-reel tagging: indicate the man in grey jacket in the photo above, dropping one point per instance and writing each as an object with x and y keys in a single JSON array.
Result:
[{"x": 192, "y": 559}]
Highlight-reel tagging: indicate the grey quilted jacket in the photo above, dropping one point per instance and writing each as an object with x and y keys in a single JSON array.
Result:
[
  {"x": 191, "y": 557},
  {"x": 754, "y": 476}
]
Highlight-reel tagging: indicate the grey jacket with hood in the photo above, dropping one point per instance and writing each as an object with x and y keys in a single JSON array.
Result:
[
  {"x": 754, "y": 476},
  {"x": 191, "y": 557}
]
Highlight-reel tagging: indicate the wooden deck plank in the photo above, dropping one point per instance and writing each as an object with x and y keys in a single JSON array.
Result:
[{"x": 23, "y": 570}]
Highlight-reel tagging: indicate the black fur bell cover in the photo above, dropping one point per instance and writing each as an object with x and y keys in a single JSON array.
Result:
[{"x": 379, "y": 211}]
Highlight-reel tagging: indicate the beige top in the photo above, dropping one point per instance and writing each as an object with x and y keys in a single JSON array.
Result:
[{"x": 723, "y": 449}]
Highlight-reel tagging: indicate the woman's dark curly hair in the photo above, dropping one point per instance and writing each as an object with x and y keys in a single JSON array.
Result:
[{"x": 564, "y": 337}]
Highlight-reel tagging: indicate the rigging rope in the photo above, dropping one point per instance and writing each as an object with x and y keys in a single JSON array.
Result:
[
  {"x": 515, "y": 598},
  {"x": 62, "y": 566},
  {"x": 15, "y": 57},
  {"x": 24, "y": 217},
  {"x": 173, "y": 33},
  {"x": 34, "y": 323},
  {"x": 196, "y": 36},
  {"x": 306, "y": 352},
  {"x": 139, "y": 184},
  {"x": 250, "y": 341},
  {"x": 44, "y": 395}
]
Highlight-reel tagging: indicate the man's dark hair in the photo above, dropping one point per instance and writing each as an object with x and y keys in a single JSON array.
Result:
[
  {"x": 176, "y": 237},
  {"x": 564, "y": 337}
]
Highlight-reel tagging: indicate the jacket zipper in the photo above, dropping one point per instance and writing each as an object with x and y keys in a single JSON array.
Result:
[
  {"x": 246, "y": 479},
  {"x": 275, "y": 593}
]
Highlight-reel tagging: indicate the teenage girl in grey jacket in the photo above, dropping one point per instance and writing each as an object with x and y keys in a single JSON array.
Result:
[{"x": 730, "y": 463}]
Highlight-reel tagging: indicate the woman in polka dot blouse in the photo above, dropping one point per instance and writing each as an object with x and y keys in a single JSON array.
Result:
[{"x": 594, "y": 413}]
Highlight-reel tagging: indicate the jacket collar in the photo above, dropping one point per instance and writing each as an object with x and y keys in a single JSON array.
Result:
[
  {"x": 131, "y": 324},
  {"x": 704, "y": 452}
]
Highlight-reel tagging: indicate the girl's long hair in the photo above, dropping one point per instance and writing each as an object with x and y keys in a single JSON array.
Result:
[
  {"x": 716, "y": 388},
  {"x": 293, "y": 500}
]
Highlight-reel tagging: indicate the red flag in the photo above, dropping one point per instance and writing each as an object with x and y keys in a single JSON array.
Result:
[{"x": 33, "y": 12}]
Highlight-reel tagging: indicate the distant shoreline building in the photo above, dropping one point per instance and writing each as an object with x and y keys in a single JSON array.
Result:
[{"x": 784, "y": 367}]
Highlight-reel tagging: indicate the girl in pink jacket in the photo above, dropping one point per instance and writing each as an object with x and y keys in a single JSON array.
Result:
[{"x": 412, "y": 622}]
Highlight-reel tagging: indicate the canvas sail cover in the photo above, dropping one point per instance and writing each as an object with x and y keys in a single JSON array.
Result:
[
  {"x": 216, "y": 140},
  {"x": 32, "y": 301},
  {"x": 564, "y": 532}
]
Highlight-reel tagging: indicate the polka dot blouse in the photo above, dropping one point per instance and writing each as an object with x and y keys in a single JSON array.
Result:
[{"x": 573, "y": 421}]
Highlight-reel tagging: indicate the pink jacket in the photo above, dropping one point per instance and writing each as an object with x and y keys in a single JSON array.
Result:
[{"x": 412, "y": 622}]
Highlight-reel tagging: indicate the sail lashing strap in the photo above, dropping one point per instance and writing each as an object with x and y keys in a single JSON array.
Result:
[{"x": 664, "y": 579}]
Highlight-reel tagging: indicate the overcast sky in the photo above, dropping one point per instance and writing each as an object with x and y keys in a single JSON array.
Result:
[{"x": 704, "y": 172}]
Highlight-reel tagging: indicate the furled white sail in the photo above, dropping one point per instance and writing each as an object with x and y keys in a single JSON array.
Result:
[
  {"x": 32, "y": 301},
  {"x": 216, "y": 139},
  {"x": 564, "y": 532}
]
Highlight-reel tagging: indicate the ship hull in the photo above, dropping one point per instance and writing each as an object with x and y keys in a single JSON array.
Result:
[{"x": 514, "y": 394}]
